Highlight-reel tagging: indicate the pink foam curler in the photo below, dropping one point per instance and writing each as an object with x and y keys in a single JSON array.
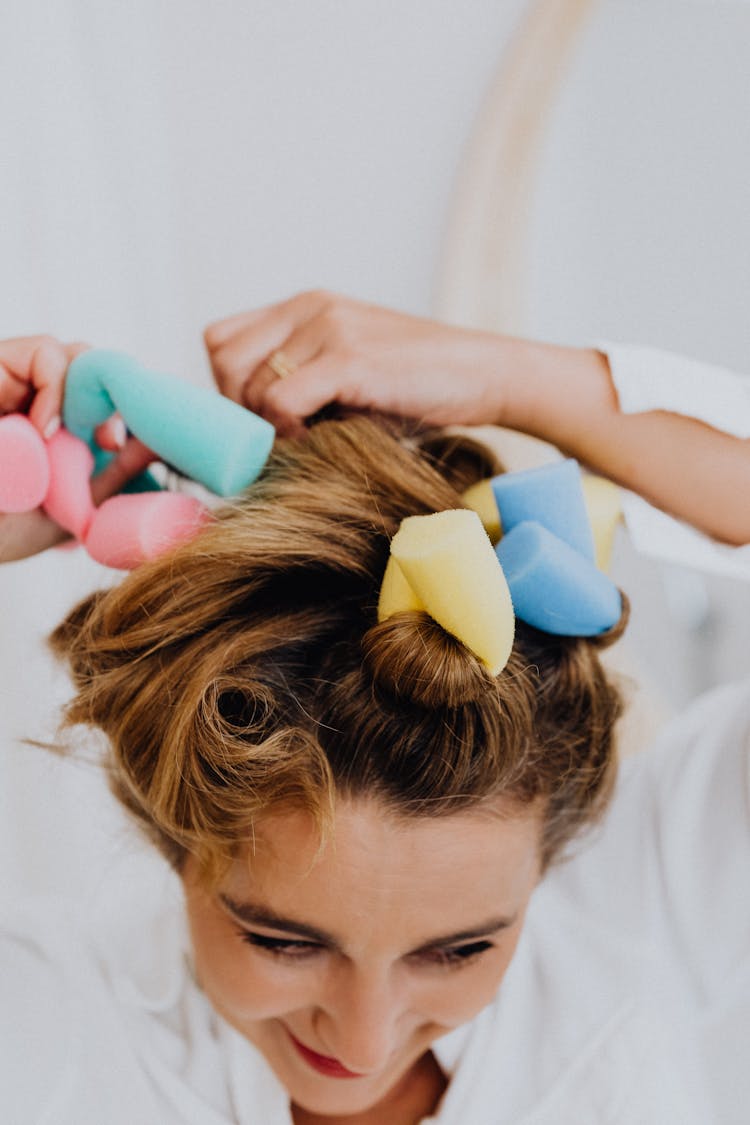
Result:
[
  {"x": 68, "y": 500},
  {"x": 130, "y": 529},
  {"x": 24, "y": 465}
]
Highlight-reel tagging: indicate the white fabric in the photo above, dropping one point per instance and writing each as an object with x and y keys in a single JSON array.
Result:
[
  {"x": 627, "y": 1003},
  {"x": 647, "y": 379}
]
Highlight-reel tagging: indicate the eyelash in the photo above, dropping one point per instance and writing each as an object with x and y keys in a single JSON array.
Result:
[
  {"x": 454, "y": 958},
  {"x": 280, "y": 947}
]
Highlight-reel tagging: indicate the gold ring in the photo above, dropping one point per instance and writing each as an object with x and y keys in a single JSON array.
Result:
[{"x": 281, "y": 365}]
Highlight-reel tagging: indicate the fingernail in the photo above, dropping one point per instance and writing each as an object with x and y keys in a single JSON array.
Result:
[
  {"x": 119, "y": 432},
  {"x": 52, "y": 427}
]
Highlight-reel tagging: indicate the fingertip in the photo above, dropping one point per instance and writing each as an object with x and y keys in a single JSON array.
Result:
[
  {"x": 218, "y": 332},
  {"x": 52, "y": 427},
  {"x": 112, "y": 434},
  {"x": 212, "y": 336},
  {"x": 78, "y": 347},
  {"x": 45, "y": 412}
]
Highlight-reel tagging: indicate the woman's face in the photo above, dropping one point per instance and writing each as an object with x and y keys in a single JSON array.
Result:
[{"x": 343, "y": 964}]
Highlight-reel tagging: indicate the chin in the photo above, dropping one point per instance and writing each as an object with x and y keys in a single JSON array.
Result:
[{"x": 333, "y": 1096}]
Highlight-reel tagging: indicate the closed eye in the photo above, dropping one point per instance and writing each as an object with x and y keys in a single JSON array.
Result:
[
  {"x": 451, "y": 958},
  {"x": 280, "y": 947},
  {"x": 454, "y": 957}
]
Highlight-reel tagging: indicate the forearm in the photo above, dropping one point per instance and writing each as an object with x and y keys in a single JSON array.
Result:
[
  {"x": 691, "y": 470},
  {"x": 27, "y": 533}
]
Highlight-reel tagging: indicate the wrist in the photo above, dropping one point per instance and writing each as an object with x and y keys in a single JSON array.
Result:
[{"x": 557, "y": 393}]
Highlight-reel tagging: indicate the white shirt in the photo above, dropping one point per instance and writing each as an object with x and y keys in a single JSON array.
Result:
[{"x": 627, "y": 1002}]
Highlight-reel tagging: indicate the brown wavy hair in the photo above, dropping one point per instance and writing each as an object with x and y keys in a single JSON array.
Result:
[{"x": 246, "y": 670}]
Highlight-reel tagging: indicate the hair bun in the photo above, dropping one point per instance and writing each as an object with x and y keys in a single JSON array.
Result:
[{"x": 412, "y": 657}]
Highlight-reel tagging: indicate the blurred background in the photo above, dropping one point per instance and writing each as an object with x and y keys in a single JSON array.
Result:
[{"x": 572, "y": 170}]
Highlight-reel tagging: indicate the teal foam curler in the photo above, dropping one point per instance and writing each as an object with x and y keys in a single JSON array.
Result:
[{"x": 202, "y": 434}]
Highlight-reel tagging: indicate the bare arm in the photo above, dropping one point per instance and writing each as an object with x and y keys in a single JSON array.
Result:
[
  {"x": 687, "y": 468},
  {"x": 337, "y": 350}
]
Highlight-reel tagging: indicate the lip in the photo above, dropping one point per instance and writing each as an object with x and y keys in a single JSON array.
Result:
[{"x": 332, "y": 1068}]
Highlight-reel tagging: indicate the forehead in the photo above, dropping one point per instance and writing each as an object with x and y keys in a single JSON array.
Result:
[{"x": 391, "y": 871}]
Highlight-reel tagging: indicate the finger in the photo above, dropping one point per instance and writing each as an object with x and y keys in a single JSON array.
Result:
[
  {"x": 219, "y": 331},
  {"x": 15, "y": 394},
  {"x": 294, "y": 309},
  {"x": 316, "y": 384},
  {"x": 235, "y": 361},
  {"x": 132, "y": 460},
  {"x": 76, "y": 349},
  {"x": 49, "y": 364},
  {"x": 112, "y": 434},
  {"x": 297, "y": 351},
  {"x": 30, "y": 363},
  {"x": 48, "y": 380}
]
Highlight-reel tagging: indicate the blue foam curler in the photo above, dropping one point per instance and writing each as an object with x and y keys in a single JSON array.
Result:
[
  {"x": 199, "y": 432},
  {"x": 552, "y": 496},
  {"x": 553, "y": 587}
]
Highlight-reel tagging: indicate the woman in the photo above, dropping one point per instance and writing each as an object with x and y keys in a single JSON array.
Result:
[{"x": 368, "y": 828}]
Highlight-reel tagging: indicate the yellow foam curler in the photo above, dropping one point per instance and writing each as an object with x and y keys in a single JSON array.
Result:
[
  {"x": 604, "y": 510},
  {"x": 396, "y": 595},
  {"x": 452, "y": 569},
  {"x": 481, "y": 499}
]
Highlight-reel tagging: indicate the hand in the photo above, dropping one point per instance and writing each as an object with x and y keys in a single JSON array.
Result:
[
  {"x": 32, "y": 379},
  {"x": 360, "y": 356}
]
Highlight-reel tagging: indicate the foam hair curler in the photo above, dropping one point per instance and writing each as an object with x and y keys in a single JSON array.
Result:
[
  {"x": 130, "y": 529},
  {"x": 555, "y": 588},
  {"x": 24, "y": 465},
  {"x": 202, "y": 434},
  {"x": 480, "y": 497},
  {"x": 216, "y": 442},
  {"x": 552, "y": 496},
  {"x": 68, "y": 499},
  {"x": 605, "y": 512},
  {"x": 396, "y": 595},
  {"x": 549, "y": 576},
  {"x": 448, "y": 562}
]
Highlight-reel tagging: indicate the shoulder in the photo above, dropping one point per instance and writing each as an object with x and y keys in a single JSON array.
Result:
[
  {"x": 609, "y": 1041},
  {"x": 81, "y": 998},
  {"x": 665, "y": 865},
  {"x": 40, "y": 1014},
  {"x": 101, "y": 1018}
]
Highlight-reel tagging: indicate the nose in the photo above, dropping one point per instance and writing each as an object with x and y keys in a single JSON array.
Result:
[{"x": 359, "y": 1022}]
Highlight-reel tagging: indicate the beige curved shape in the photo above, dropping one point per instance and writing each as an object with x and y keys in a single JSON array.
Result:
[{"x": 481, "y": 276}]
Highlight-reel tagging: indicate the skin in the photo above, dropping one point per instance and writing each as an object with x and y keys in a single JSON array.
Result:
[
  {"x": 358, "y": 356},
  {"x": 387, "y": 888},
  {"x": 32, "y": 381}
]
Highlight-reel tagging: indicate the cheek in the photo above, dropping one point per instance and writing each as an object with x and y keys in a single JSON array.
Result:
[{"x": 240, "y": 982}]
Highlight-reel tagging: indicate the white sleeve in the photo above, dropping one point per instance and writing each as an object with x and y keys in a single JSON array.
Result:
[{"x": 646, "y": 379}]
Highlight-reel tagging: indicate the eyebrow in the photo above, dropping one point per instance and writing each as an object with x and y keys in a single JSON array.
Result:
[{"x": 251, "y": 914}]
